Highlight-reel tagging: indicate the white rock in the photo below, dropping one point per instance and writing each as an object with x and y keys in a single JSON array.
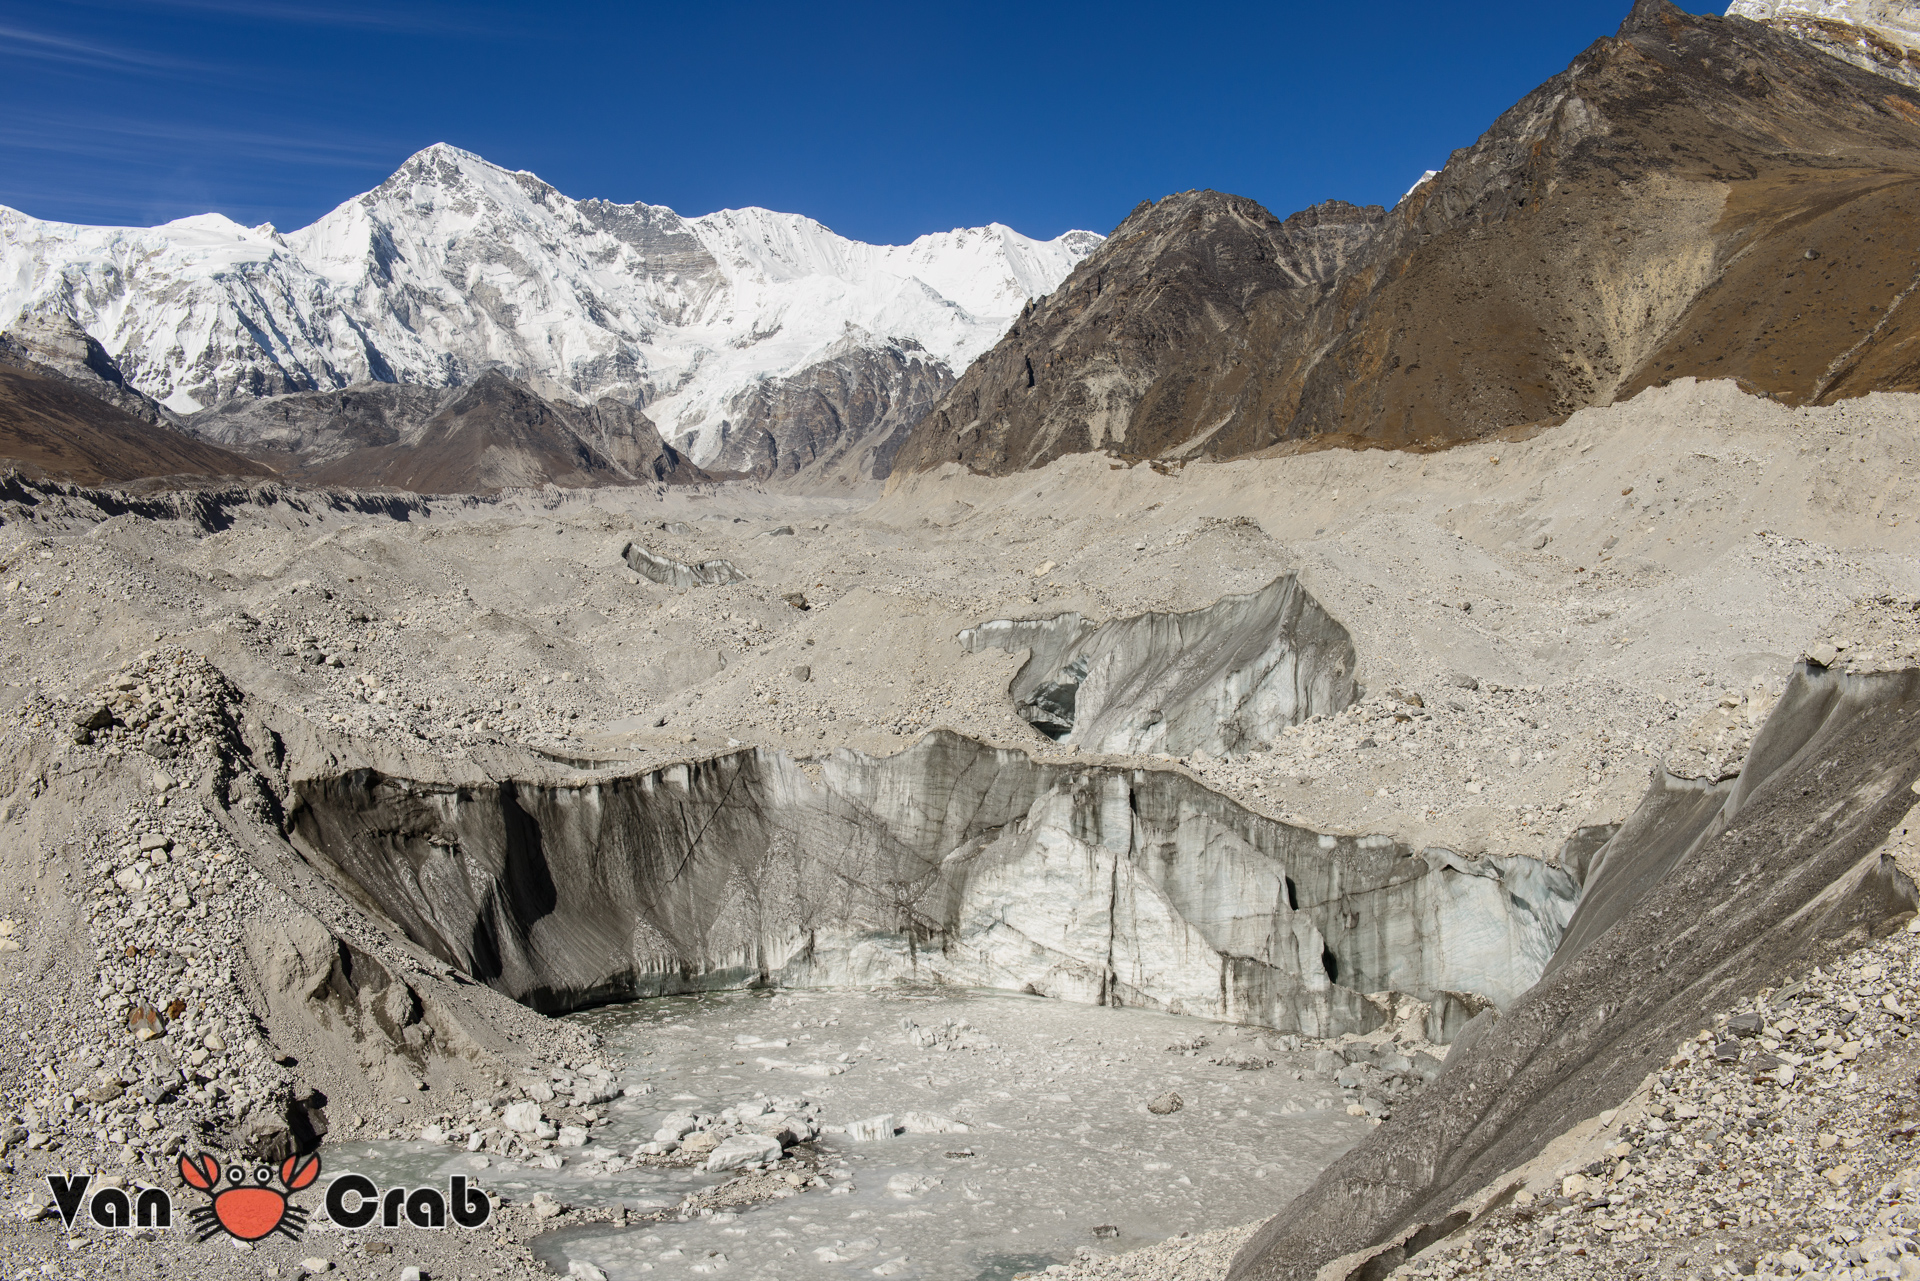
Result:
[
  {"x": 675, "y": 1128},
  {"x": 521, "y": 1118},
  {"x": 743, "y": 1150}
]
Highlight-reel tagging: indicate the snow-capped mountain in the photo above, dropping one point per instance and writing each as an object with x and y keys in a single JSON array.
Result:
[{"x": 453, "y": 266}]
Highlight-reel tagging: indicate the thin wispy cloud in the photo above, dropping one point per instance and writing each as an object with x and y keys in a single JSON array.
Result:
[
  {"x": 414, "y": 21},
  {"x": 19, "y": 42},
  {"x": 122, "y": 139},
  {"x": 138, "y": 173}
]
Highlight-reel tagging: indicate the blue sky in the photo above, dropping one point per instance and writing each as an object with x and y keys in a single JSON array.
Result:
[{"x": 883, "y": 121}]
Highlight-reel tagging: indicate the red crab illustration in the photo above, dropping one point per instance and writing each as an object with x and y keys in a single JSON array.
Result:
[{"x": 249, "y": 1207}]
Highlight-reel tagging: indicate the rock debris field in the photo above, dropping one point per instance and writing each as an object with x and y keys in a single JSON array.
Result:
[{"x": 1536, "y": 625}]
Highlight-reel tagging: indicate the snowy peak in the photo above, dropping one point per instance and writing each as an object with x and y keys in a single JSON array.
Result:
[{"x": 454, "y": 266}]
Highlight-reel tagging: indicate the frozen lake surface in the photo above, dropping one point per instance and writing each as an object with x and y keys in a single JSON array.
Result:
[
  {"x": 1054, "y": 1097},
  {"x": 1059, "y": 1141}
]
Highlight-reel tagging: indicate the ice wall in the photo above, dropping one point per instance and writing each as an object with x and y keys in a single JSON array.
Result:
[
  {"x": 950, "y": 862},
  {"x": 1225, "y": 679}
]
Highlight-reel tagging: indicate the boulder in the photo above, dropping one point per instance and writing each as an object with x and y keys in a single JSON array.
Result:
[
  {"x": 675, "y": 1128},
  {"x": 742, "y": 1150}
]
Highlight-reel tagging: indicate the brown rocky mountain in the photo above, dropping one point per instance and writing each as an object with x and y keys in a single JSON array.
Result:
[
  {"x": 56, "y": 346},
  {"x": 493, "y": 434},
  {"x": 54, "y": 427},
  {"x": 843, "y": 418},
  {"x": 1701, "y": 196}
]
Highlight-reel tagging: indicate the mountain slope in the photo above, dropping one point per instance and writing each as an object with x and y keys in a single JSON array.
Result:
[
  {"x": 843, "y": 418},
  {"x": 454, "y": 266},
  {"x": 1697, "y": 195},
  {"x": 1168, "y": 325},
  {"x": 492, "y": 434},
  {"x": 51, "y": 428}
]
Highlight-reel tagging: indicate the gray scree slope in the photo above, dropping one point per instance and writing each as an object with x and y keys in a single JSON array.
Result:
[{"x": 1694, "y": 904}]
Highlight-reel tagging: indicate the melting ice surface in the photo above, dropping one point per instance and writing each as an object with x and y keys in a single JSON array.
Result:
[{"x": 1054, "y": 1095}]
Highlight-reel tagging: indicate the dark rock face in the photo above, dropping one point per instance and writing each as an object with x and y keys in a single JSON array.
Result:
[
  {"x": 845, "y": 417},
  {"x": 494, "y": 434},
  {"x": 314, "y": 429},
  {"x": 1696, "y": 196},
  {"x": 1704, "y": 896}
]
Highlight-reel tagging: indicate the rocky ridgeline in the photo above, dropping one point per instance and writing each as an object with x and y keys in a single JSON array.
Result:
[
  {"x": 181, "y": 713},
  {"x": 174, "y": 1058}
]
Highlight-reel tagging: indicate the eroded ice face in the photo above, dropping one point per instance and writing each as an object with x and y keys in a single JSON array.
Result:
[{"x": 1058, "y": 1139}]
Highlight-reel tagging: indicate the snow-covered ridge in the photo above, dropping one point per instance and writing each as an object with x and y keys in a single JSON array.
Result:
[{"x": 454, "y": 265}]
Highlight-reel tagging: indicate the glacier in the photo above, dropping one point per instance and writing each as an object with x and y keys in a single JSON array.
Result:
[{"x": 454, "y": 266}]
